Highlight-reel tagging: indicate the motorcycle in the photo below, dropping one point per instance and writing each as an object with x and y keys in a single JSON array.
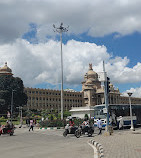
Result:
[
  {"x": 4, "y": 130},
  {"x": 73, "y": 130},
  {"x": 83, "y": 130}
]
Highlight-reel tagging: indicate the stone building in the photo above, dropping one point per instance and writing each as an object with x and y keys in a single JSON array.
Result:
[
  {"x": 5, "y": 70},
  {"x": 51, "y": 99},
  {"x": 93, "y": 91},
  {"x": 92, "y": 94}
]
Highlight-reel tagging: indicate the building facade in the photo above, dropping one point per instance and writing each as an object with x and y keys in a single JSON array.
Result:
[
  {"x": 92, "y": 94},
  {"x": 93, "y": 91},
  {"x": 51, "y": 99},
  {"x": 5, "y": 70}
]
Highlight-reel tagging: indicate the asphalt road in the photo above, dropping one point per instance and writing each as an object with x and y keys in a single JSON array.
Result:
[{"x": 44, "y": 144}]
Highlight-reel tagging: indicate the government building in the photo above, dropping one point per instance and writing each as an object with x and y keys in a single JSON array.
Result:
[{"x": 92, "y": 94}]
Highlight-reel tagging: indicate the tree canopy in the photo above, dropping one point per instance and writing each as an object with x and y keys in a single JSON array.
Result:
[{"x": 7, "y": 85}]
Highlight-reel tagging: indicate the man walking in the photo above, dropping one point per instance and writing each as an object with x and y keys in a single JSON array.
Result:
[
  {"x": 31, "y": 125},
  {"x": 99, "y": 125}
]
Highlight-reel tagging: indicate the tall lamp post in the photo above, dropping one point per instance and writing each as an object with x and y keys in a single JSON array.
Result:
[
  {"x": 132, "y": 126},
  {"x": 12, "y": 104},
  {"x": 60, "y": 30},
  {"x": 106, "y": 97}
]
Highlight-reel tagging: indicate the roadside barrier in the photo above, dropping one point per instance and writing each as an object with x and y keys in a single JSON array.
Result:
[
  {"x": 98, "y": 147},
  {"x": 51, "y": 128}
]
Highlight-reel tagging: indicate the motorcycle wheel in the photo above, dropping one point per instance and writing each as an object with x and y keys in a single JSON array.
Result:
[
  {"x": 77, "y": 133},
  {"x": 11, "y": 134},
  {"x": 65, "y": 133},
  {"x": 90, "y": 133}
]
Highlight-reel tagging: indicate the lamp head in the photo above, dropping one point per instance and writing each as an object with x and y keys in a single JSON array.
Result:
[{"x": 129, "y": 93}]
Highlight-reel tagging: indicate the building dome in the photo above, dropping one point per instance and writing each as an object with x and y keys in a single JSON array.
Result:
[
  {"x": 91, "y": 73},
  {"x": 89, "y": 81},
  {"x": 5, "y": 70}
]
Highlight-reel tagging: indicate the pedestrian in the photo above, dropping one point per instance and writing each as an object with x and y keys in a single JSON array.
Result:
[
  {"x": 99, "y": 125},
  {"x": 31, "y": 125},
  {"x": 21, "y": 123},
  {"x": 35, "y": 122},
  {"x": 120, "y": 123},
  {"x": 27, "y": 122}
]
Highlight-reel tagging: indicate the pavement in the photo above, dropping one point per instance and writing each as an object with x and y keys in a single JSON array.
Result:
[
  {"x": 121, "y": 144},
  {"x": 44, "y": 143}
]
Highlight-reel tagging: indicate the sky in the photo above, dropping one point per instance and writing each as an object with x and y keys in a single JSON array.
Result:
[{"x": 98, "y": 31}]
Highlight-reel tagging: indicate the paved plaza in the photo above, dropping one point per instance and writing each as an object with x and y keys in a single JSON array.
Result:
[
  {"x": 44, "y": 144},
  {"x": 121, "y": 144},
  {"x": 52, "y": 144}
]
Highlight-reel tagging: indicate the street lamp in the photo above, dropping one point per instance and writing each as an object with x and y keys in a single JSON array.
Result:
[
  {"x": 20, "y": 114},
  {"x": 12, "y": 105},
  {"x": 132, "y": 126},
  {"x": 60, "y": 30}
]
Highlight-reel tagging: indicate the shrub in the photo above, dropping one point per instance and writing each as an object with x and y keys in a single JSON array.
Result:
[{"x": 52, "y": 123}]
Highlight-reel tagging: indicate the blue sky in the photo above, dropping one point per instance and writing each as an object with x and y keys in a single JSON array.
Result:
[
  {"x": 98, "y": 30},
  {"x": 128, "y": 45}
]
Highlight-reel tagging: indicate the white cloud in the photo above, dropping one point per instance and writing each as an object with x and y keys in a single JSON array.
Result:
[
  {"x": 98, "y": 17},
  {"x": 39, "y": 63},
  {"x": 136, "y": 92}
]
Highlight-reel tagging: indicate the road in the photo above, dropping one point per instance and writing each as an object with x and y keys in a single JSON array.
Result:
[{"x": 44, "y": 143}]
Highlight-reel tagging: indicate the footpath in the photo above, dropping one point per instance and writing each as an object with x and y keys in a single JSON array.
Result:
[{"x": 121, "y": 144}]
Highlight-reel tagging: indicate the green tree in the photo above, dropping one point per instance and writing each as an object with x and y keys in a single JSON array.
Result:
[
  {"x": 7, "y": 84},
  {"x": 86, "y": 117}
]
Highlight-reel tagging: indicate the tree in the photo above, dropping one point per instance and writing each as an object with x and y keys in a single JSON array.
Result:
[
  {"x": 86, "y": 117},
  {"x": 7, "y": 84}
]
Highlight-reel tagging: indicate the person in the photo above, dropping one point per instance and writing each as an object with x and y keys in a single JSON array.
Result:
[
  {"x": 21, "y": 123},
  {"x": 120, "y": 122},
  {"x": 27, "y": 122},
  {"x": 71, "y": 125},
  {"x": 7, "y": 127},
  {"x": 35, "y": 122},
  {"x": 31, "y": 125},
  {"x": 85, "y": 125},
  {"x": 99, "y": 125}
]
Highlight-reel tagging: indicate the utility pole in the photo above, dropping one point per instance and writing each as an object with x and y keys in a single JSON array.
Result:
[
  {"x": 12, "y": 105},
  {"x": 60, "y": 30},
  {"x": 106, "y": 96},
  {"x": 132, "y": 125}
]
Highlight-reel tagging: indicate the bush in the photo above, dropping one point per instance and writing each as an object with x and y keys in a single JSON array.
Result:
[{"x": 53, "y": 123}]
